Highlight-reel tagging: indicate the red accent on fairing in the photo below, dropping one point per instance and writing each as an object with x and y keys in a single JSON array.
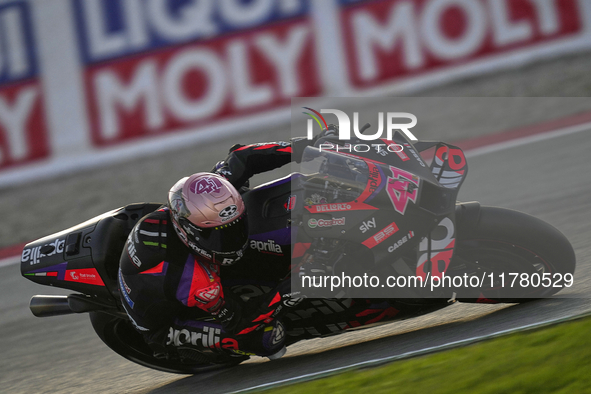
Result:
[
  {"x": 264, "y": 316},
  {"x": 444, "y": 255},
  {"x": 368, "y": 312},
  {"x": 155, "y": 221},
  {"x": 156, "y": 270},
  {"x": 51, "y": 274},
  {"x": 275, "y": 299},
  {"x": 381, "y": 235},
  {"x": 352, "y": 324},
  {"x": 288, "y": 149},
  {"x": 355, "y": 206},
  {"x": 300, "y": 248},
  {"x": 373, "y": 169},
  {"x": 247, "y": 330},
  {"x": 243, "y": 147},
  {"x": 89, "y": 276},
  {"x": 266, "y": 146}
]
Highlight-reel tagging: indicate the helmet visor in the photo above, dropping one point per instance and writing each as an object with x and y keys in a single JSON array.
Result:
[{"x": 226, "y": 238}]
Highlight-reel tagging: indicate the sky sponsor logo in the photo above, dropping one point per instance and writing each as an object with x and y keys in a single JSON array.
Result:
[{"x": 367, "y": 225}]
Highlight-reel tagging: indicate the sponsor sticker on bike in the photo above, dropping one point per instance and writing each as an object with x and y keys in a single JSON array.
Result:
[
  {"x": 381, "y": 236},
  {"x": 290, "y": 203},
  {"x": 367, "y": 225},
  {"x": 402, "y": 187},
  {"x": 36, "y": 254},
  {"x": 88, "y": 276},
  {"x": 329, "y": 207},
  {"x": 401, "y": 241},
  {"x": 313, "y": 223}
]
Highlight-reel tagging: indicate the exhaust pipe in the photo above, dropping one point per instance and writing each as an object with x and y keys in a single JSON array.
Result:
[
  {"x": 56, "y": 305},
  {"x": 50, "y": 305}
]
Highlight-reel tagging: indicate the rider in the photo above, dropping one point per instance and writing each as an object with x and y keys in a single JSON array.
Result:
[{"x": 166, "y": 280}]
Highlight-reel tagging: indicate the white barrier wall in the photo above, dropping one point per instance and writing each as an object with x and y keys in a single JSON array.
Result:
[{"x": 84, "y": 82}]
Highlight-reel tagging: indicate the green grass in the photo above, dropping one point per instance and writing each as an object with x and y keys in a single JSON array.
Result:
[{"x": 549, "y": 360}]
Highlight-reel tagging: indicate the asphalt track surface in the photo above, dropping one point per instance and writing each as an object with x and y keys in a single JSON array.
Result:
[{"x": 550, "y": 179}]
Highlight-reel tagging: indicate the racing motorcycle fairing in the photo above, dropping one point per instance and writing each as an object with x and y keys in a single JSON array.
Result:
[
  {"x": 389, "y": 203},
  {"x": 85, "y": 257}
]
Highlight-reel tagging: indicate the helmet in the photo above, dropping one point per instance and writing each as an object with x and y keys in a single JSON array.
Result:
[{"x": 209, "y": 217}]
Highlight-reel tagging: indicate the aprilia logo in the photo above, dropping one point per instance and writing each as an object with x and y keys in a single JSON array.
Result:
[
  {"x": 199, "y": 250},
  {"x": 34, "y": 254},
  {"x": 208, "y": 338},
  {"x": 269, "y": 247},
  {"x": 131, "y": 250}
]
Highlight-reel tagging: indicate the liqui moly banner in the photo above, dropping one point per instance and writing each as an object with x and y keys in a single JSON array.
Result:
[
  {"x": 154, "y": 66},
  {"x": 389, "y": 40},
  {"x": 82, "y": 81},
  {"x": 23, "y": 132}
]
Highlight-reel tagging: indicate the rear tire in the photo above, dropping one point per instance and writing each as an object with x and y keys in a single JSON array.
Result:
[
  {"x": 121, "y": 337},
  {"x": 497, "y": 240}
]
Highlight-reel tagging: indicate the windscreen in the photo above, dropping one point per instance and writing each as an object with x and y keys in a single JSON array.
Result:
[{"x": 331, "y": 177}]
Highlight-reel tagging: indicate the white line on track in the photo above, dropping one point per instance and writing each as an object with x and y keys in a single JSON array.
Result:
[
  {"x": 495, "y": 147},
  {"x": 384, "y": 360},
  {"x": 10, "y": 261}
]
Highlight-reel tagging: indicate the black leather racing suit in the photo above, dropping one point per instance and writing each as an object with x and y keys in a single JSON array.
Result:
[{"x": 164, "y": 287}]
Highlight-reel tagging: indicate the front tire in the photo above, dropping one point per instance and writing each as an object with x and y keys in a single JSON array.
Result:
[{"x": 501, "y": 242}]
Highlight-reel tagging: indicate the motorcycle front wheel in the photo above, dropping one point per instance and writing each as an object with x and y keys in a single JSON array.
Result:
[{"x": 517, "y": 257}]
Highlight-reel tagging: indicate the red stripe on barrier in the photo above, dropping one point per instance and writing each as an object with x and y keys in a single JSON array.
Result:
[{"x": 12, "y": 251}]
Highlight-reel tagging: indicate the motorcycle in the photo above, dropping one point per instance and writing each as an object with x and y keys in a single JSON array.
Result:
[{"x": 384, "y": 212}]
